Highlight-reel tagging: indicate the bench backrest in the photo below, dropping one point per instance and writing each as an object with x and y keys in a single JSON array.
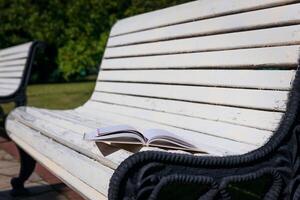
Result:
[
  {"x": 219, "y": 69},
  {"x": 15, "y": 64}
]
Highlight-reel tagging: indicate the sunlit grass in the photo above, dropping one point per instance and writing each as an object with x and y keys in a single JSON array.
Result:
[{"x": 57, "y": 96}]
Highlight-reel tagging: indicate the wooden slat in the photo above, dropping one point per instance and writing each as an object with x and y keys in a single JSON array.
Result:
[
  {"x": 256, "y": 38},
  {"x": 73, "y": 182},
  {"x": 274, "y": 56},
  {"x": 218, "y": 129},
  {"x": 14, "y": 68},
  {"x": 15, "y": 49},
  {"x": 261, "y": 79},
  {"x": 8, "y": 86},
  {"x": 9, "y": 90},
  {"x": 14, "y": 81},
  {"x": 211, "y": 144},
  {"x": 20, "y": 55},
  {"x": 263, "y": 99},
  {"x": 169, "y": 117},
  {"x": 11, "y": 74},
  {"x": 13, "y": 63},
  {"x": 189, "y": 12},
  {"x": 69, "y": 129},
  {"x": 245, "y": 117},
  {"x": 68, "y": 133},
  {"x": 252, "y": 20},
  {"x": 5, "y": 92},
  {"x": 66, "y": 130},
  {"x": 87, "y": 170}
]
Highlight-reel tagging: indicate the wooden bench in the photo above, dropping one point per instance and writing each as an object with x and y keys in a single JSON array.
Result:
[
  {"x": 15, "y": 67},
  {"x": 221, "y": 73}
]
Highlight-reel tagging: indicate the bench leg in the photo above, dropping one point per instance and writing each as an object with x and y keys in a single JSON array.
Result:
[
  {"x": 2, "y": 115},
  {"x": 27, "y": 167}
]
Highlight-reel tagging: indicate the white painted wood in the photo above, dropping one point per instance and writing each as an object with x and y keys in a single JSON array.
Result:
[
  {"x": 274, "y": 56},
  {"x": 15, "y": 49},
  {"x": 71, "y": 180},
  {"x": 219, "y": 129},
  {"x": 14, "y": 68},
  {"x": 13, "y": 63},
  {"x": 211, "y": 144},
  {"x": 69, "y": 133},
  {"x": 263, "y": 99},
  {"x": 250, "y": 20},
  {"x": 13, "y": 74},
  {"x": 43, "y": 144},
  {"x": 5, "y": 92},
  {"x": 172, "y": 120},
  {"x": 260, "y": 79},
  {"x": 8, "y": 86},
  {"x": 247, "y": 117},
  {"x": 85, "y": 169},
  {"x": 189, "y": 12},
  {"x": 14, "y": 81},
  {"x": 19, "y": 55},
  {"x": 255, "y": 38},
  {"x": 69, "y": 129}
]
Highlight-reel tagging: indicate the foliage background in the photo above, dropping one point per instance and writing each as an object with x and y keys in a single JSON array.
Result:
[{"x": 76, "y": 31}]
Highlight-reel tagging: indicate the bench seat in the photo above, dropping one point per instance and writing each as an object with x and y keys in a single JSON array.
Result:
[
  {"x": 65, "y": 162},
  {"x": 218, "y": 74},
  {"x": 63, "y": 131},
  {"x": 69, "y": 126}
]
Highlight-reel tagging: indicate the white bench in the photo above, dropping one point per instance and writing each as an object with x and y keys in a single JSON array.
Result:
[
  {"x": 15, "y": 67},
  {"x": 215, "y": 72}
]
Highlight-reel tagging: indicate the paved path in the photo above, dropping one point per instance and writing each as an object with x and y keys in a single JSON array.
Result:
[{"x": 41, "y": 190}]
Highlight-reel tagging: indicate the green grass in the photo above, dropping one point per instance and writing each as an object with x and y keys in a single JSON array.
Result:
[
  {"x": 54, "y": 96},
  {"x": 60, "y": 96},
  {"x": 57, "y": 96}
]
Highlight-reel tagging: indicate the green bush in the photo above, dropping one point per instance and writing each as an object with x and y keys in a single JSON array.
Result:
[
  {"x": 76, "y": 30},
  {"x": 81, "y": 57}
]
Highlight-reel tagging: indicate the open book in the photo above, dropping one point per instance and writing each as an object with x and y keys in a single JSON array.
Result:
[{"x": 124, "y": 134}]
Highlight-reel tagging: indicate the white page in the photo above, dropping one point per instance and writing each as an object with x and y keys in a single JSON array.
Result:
[
  {"x": 126, "y": 134},
  {"x": 112, "y": 133},
  {"x": 164, "y": 135},
  {"x": 112, "y": 129}
]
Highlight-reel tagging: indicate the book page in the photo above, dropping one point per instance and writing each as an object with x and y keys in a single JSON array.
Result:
[
  {"x": 116, "y": 134},
  {"x": 123, "y": 134},
  {"x": 163, "y": 138},
  {"x": 113, "y": 129},
  {"x": 125, "y": 138}
]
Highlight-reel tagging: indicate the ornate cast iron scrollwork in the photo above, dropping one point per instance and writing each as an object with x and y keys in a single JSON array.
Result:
[{"x": 149, "y": 175}]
